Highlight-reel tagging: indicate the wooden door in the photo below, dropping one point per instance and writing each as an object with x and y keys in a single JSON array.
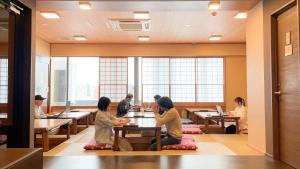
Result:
[{"x": 288, "y": 85}]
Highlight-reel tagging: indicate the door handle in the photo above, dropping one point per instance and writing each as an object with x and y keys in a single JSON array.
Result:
[{"x": 277, "y": 93}]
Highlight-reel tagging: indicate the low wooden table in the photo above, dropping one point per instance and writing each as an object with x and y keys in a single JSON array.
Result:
[
  {"x": 207, "y": 116},
  {"x": 138, "y": 124},
  {"x": 47, "y": 126},
  {"x": 75, "y": 116},
  {"x": 190, "y": 112},
  {"x": 139, "y": 115},
  {"x": 15, "y": 158},
  {"x": 93, "y": 113}
]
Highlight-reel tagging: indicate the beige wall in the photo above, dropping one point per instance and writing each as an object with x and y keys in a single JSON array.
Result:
[
  {"x": 42, "y": 47},
  {"x": 235, "y": 79},
  {"x": 255, "y": 79},
  {"x": 148, "y": 50},
  {"x": 235, "y": 60}
]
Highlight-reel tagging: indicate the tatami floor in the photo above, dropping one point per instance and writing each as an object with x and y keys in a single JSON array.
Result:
[{"x": 208, "y": 144}]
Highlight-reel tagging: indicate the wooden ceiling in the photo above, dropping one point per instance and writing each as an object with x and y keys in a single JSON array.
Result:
[{"x": 171, "y": 21}]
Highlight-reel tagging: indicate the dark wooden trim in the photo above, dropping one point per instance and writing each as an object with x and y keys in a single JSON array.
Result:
[
  {"x": 20, "y": 97},
  {"x": 275, "y": 80}
]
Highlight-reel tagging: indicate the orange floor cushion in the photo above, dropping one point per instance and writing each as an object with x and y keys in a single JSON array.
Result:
[
  {"x": 92, "y": 145},
  {"x": 187, "y": 143},
  {"x": 191, "y": 129}
]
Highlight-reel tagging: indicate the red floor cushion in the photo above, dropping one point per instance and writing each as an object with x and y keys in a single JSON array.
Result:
[
  {"x": 190, "y": 126},
  {"x": 187, "y": 143},
  {"x": 92, "y": 145},
  {"x": 191, "y": 129}
]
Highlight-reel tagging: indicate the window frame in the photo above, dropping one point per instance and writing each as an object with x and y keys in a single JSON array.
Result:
[
  {"x": 67, "y": 77},
  {"x": 196, "y": 103}
]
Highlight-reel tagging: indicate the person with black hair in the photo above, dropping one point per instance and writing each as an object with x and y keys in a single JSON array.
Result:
[
  {"x": 124, "y": 106},
  {"x": 38, "y": 112},
  {"x": 104, "y": 124},
  {"x": 154, "y": 104},
  {"x": 239, "y": 111},
  {"x": 171, "y": 119}
]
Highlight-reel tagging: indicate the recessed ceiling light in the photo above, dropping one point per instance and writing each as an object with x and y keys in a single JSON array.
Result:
[
  {"x": 215, "y": 37},
  {"x": 241, "y": 15},
  {"x": 80, "y": 38},
  {"x": 141, "y": 15},
  {"x": 50, "y": 15},
  {"x": 144, "y": 38},
  {"x": 214, "y": 5},
  {"x": 187, "y": 25},
  {"x": 85, "y": 5}
]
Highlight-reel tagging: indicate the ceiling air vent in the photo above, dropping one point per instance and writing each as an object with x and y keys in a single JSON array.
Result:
[{"x": 129, "y": 25}]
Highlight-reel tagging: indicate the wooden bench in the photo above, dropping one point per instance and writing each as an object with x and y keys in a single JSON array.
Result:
[{"x": 50, "y": 126}]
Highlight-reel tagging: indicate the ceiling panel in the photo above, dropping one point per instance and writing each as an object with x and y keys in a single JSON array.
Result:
[{"x": 171, "y": 22}]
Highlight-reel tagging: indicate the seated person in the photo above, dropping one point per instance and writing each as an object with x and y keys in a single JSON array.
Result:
[
  {"x": 154, "y": 104},
  {"x": 239, "y": 111},
  {"x": 104, "y": 124},
  {"x": 124, "y": 106},
  {"x": 38, "y": 112},
  {"x": 171, "y": 119}
]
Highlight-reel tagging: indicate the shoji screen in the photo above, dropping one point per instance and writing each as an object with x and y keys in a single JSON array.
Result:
[
  {"x": 3, "y": 80},
  {"x": 155, "y": 77},
  {"x": 182, "y": 79},
  {"x": 210, "y": 79},
  {"x": 113, "y": 78}
]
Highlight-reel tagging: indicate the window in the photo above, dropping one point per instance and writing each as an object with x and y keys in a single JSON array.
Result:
[
  {"x": 3, "y": 80},
  {"x": 210, "y": 80},
  {"x": 113, "y": 78},
  {"x": 155, "y": 77},
  {"x": 83, "y": 81},
  {"x": 59, "y": 81},
  {"x": 182, "y": 79}
]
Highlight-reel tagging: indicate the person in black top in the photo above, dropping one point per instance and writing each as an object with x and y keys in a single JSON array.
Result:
[{"x": 124, "y": 106}]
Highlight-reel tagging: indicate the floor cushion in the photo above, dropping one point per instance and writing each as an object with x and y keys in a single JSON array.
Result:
[
  {"x": 186, "y": 121},
  {"x": 187, "y": 143},
  {"x": 190, "y": 126},
  {"x": 93, "y": 146},
  {"x": 192, "y": 131}
]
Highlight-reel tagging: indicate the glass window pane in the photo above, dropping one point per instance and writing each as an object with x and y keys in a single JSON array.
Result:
[
  {"x": 3, "y": 80},
  {"x": 83, "y": 81},
  {"x": 59, "y": 81},
  {"x": 210, "y": 79},
  {"x": 182, "y": 79},
  {"x": 155, "y": 77}
]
